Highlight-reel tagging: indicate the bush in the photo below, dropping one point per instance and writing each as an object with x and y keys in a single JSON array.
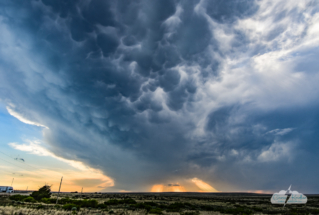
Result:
[
  {"x": 118, "y": 202},
  {"x": 112, "y": 202},
  {"x": 18, "y": 197},
  {"x": 46, "y": 200},
  {"x": 40, "y": 207},
  {"x": 102, "y": 206},
  {"x": 128, "y": 201},
  {"x": 65, "y": 201},
  {"x": 175, "y": 207},
  {"x": 142, "y": 206},
  {"x": 29, "y": 199},
  {"x": 191, "y": 213},
  {"x": 156, "y": 211},
  {"x": 43, "y": 192},
  {"x": 89, "y": 203},
  {"x": 257, "y": 209},
  {"x": 153, "y": 204},
  {"x": 70, "y": 206},
  {"x": 83, "y": 203}
]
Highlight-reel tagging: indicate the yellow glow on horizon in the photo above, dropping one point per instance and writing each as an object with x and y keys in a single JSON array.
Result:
[
  {"x": 259, "y": 191},
  {"x": 203, "y": 186},
  {"x": 92, "y": 180},
  {"x": 176, "y": 189},
  {"x": 75, "y": 174},
  {"x": 157, "y": 188},
  {"x": 163, "y": 188}
]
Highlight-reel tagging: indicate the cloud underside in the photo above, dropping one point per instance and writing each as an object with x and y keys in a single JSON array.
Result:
[{"x": 152, "y": 92}]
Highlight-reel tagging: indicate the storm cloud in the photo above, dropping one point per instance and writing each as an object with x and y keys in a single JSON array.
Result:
[{"x": 224, "y": 91}]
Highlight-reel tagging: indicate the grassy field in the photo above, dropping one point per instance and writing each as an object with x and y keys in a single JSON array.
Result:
[{"x": 152, "y": 203}]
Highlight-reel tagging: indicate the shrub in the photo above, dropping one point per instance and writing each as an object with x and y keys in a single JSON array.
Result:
[
  {"x": 156, "y": 211},
  {"x": 65, "y": 201},
  {"x": 102, "y": 206},
  {"x": 191, "y": 213},
  {"x": 46, "y": 200},
  {"x": 128, "y": 201},
  {"x": 40, "y": 207},
  {"x": 70, "y": 206},
  {"x": 153, "y": 204},
  {"x": 89, "y": 203},
  {"x": 112, "y": 202},
  {"x": 142, "y": 206},
  {"x": 83, "y": 203},
  {"x": 29, "y": 199},
  {"x": 118, "y": 202},
  {"x": 18, "y": 197},
  {"x": 257, "y": 209},
  {"x": 175, "y": 207},
  {"x": 43, "y": 192}
]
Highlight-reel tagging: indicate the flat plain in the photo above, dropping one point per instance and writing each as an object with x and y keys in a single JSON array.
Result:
[{"x": 153, "y": 203}]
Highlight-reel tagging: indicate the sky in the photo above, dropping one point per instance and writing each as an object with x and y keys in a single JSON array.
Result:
[{"x": 161, "y": 96}]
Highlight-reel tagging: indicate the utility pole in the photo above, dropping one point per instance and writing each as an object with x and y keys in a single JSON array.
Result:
[
  {"x": 81, "y": 192},
  {"x": 27, "y": 189},
  {"x": 59, "y": 191},
  {"x": 12, "y": 182}
]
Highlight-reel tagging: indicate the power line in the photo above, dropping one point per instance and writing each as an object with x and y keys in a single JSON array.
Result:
[
  {"x": 9, "y": 172},
  {"x": 6, "y": 154},
  {"x": 21, "y": 166},
  {"x": 14, "y": 173},
  {"x": 26, "y": 163},
  {"x": 23, "y": 163},
  {"x": 11, "y": 163}
]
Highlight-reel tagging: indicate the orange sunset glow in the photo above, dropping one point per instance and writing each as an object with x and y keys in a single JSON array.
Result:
[
  {"x": 201, "y": 185},
  {"x": 73, "y": 180},
  {"x": 163, "y": 188}
]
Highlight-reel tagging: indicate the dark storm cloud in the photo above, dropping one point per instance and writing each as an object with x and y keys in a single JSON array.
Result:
[
  {"x": 138, "y": 88},
  {"x": 229, "y": 11}
]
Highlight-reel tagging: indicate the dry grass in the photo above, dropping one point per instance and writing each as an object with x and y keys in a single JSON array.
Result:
[
  {"x": 20, "y": 210},
  {"x": 199, "y": 204}
]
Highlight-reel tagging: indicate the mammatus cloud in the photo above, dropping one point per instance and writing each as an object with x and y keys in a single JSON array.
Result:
[
  {"x": 277, "y": 151},
  {"x": 139, "y": 89},
  {"x": 280, "y": 131}
]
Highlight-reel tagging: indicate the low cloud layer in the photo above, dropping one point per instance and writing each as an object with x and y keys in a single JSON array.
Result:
[{"x": 156, "y": 92}]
